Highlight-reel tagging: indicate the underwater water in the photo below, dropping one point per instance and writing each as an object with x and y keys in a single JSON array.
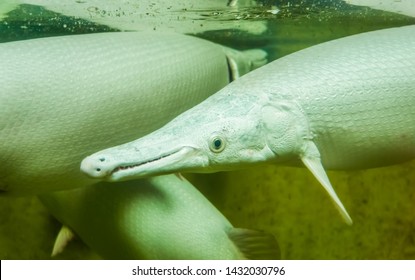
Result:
[{"x": 287, "y": 202}]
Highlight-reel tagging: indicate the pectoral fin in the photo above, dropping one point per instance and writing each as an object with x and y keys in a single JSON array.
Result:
[
  {"x": 242, "y": 62},
  {"x": 311, "y": 159},
  {"x": 180, "y": 176},
  {"x": 65, "y": 235},
  {"x": 255, "y": 245}
]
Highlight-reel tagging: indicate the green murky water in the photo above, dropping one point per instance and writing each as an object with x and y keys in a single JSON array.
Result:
[{"x": 287, "y": 202}]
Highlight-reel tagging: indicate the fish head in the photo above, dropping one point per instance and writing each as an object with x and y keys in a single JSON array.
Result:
[{"x": 222, "y": 133}]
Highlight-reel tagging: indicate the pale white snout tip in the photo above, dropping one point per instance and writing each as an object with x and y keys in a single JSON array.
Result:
[{"x": 95, "y": 166}]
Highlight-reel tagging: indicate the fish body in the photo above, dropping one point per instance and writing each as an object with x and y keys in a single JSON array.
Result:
[
  {"x": 62, "y": 98},
  {"x": 404, "y": 7},
  {"x": 162, "y": 217},
  {"x": 344, "y": 104}
]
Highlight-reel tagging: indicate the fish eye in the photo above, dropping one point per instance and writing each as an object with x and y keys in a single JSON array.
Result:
[{"x": 217, "y": 144}]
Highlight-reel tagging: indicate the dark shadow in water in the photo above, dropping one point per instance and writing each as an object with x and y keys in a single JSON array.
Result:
[{"x": 28, "y": 22}]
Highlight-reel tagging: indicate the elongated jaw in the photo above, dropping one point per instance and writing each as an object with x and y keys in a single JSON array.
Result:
[{"x": 106, "y": 167}]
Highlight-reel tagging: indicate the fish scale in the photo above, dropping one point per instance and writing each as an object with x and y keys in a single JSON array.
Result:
[{"x": 367, "y": 89}]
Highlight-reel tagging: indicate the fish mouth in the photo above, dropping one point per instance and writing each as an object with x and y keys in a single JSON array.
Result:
[
  {"x": 135, "y": 165},
  {"x": 162, "y": 164}
]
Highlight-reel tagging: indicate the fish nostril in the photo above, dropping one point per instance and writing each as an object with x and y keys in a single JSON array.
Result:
[
  {"x": 101, "y": 159},
  {"x": 98, "y": 170}
]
